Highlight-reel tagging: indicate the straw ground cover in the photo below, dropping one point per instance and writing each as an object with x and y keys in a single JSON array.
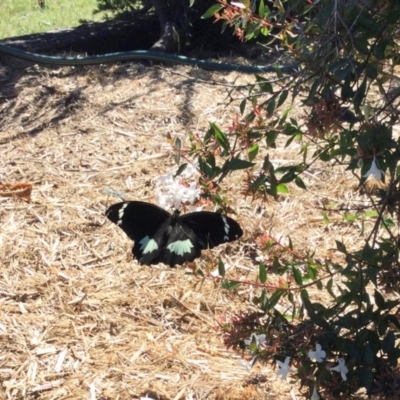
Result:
[
  {"x": 26, "y": 16},
  {"x": 79, "y": 318}
]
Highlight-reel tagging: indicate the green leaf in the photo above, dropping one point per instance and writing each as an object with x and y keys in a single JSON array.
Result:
[
  {"x": 313, "y": 91},
  {"x": 347, "y": 90},
  {"x": 360, "y": 95},
  {"x": 265, "y": 86},
  {"x": 366, "y": 378},
  {"x": 253, "y": 151},
  {"x": 297, "y": 275},
  {"x": 394, "y": 322},
  {"x": 382, "y": 326},
  {"x": 276, "y": 266},
  {"x": 379, "y": 300},
  {"x": 272, "y": 190},
  {"x": 205, "y": 168},
  {"x": 299, "y": 182},
  {"x": 260, "y": 300},
  {"x": 282, "y": 188},
  {"x": 180, "y": 169},
  {"x": 208, "y": 166},
  {"x": 262, "y": 272},
  {"x": 260, "y": 180},
  {"x": 285, "y": 114},
  {"x": 212, "y": 10},
  {"x": 292, "y": 299},
  {"x": 361, "y": 44},
  {"x": 271, "y": 106},
  {"x": 265, "y": 30},
  {"x": 388, "y": 223},
  {"x": 242, "y": 106},
  {"x": 237, "y": 164},
  {"x": 271, "y": 138},
  {"x": 178, "y": 145},
  {"x": 221, "y": 268},
  {"x": 372, "y": 72},
  {"x": 379, "y": 49},
  {"x": 370, "y": 25},
  {"x": 388, "y": 343},
  {"x": 261, "y": 9},
  {"x": 282, "y": 98},
  {"x": 325, "y": 218},
  {"x": 278, "y": 71},
  {"x": 341, "y": 247},
  {"x": 368, "y": 354},
  {"x": 290, "y": 140},
  {"x": 350, "y": 217},
  {"x": 288, "y": 177},
  {"x": 228, "y": 285},
  {"x": 329, "y": 288},
  {"x": 273, "y": 300},
  {"x": 393, "y": 16},
  {"x": 220, "y": 136}
]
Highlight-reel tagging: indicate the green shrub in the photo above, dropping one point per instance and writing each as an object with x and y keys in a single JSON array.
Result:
[{"x": 344, "y": 50}]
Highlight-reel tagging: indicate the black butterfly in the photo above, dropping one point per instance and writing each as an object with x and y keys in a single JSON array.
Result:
[{"x": 169, "y": 238}]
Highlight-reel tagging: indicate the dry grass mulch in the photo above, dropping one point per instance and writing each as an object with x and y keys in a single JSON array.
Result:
[{"x": 79, "y": 318}]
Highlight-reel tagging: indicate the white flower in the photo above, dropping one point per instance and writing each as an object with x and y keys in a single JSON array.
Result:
[
  {"x": 248, "y": 365},
  {"x": 237, "y": 4},
  {"x": 318, "y": 354},
  {"x": 315, "y": 395},
  {"x": 191, "y": 171},
  {"x": 284, "y": 368},
  {"x": 172, "y": 192},
  {"x": 260, "y": 258},
  {"x": 375, "y": 171},
  {"x": 192, "y": 193},
  {"x": 341, "y": 367},
  {"x": 257, "y": 339},
  {"x": 166, "y": 179}
]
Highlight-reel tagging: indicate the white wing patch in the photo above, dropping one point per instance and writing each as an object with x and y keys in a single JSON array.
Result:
[
  {"x": 226, "y": 227},
  {"x": 180, "y": 247},
  {"x": 121, "y": 212},
  {"x": 148, "y": 245}
]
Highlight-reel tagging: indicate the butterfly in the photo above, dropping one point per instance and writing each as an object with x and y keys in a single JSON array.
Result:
[{"x": 171, "y": 238}]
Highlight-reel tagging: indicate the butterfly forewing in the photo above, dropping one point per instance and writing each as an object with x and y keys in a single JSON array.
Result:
[
  {"x": 212, "y": 229},
  {"x": 140, "y": 221}
]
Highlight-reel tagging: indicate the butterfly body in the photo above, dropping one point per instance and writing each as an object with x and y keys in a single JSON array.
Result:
[{"x": 171, "y": 238}]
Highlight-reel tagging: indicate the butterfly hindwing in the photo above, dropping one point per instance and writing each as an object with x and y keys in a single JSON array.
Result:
[
  {"x": 141, "y": 222},
  {"x": 170, "y": 238},
  {"x": 179, "y": 243}
]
